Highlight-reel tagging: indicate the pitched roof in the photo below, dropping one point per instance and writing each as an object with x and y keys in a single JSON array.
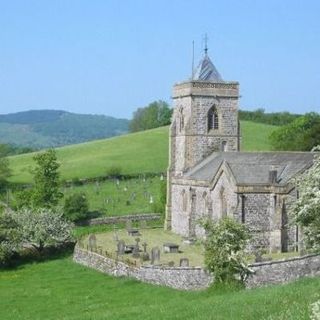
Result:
[
  {"x": 253, "y": 167},
  {"x": 206, "y": 71}
]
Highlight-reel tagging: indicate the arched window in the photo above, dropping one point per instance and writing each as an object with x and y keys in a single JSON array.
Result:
[
  {"x": 223, "y": 203},
  {"x": 213, "y": 119}
]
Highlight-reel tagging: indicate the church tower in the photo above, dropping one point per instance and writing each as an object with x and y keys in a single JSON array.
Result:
[{"x": 205, "y": 120}]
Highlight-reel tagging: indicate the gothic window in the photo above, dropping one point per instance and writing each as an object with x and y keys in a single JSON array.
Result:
[
  {"x": 213, "y": 119},
  {"x": 184, "y": 200},
  {"x": 223, "y": 203}
]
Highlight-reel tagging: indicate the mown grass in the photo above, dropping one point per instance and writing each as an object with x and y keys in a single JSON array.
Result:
[
  {"x": 61, "y": 289},
  {"x": 136, "y": 153}
]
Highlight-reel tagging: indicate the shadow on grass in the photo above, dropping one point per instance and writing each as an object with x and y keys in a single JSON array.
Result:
[{"x": 31, "y": 255}]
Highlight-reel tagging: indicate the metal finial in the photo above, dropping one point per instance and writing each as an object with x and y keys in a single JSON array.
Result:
[{"x": 205, "y": 44}]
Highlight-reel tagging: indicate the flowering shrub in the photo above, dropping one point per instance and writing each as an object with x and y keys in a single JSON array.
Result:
[
  {"x": 224, "y": 249},
  {"x": 306, "y": 209}
]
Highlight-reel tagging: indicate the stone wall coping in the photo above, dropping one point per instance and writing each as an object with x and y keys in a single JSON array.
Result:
[
  {"x": 124, "y": 218},
  {"x": 171, "y": 268},
  {"x": 267, "y": 263}
]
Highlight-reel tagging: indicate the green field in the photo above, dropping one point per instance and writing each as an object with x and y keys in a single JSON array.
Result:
[
  {"x": 61, "y": 289},
  {"x": 135, "y": 153}
]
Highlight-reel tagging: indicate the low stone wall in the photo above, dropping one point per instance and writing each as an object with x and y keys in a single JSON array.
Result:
[
  {"x": 283, "y": 271},
  {"x": 195, "y": 278},
  {"x": 119, "y": 219},
  {"x": 183, "y": 278}
]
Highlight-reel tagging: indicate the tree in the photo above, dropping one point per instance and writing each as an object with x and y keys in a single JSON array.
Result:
[
  {"x": 76, "y": 207},
  {"x": 4, "y": 167},
  {"x": 302, "y": 134},
  {"x": 42, "y": 227},
  {"x": 224, "y": 249},
  {"x": 156, "y": 114},
  {"x": 10, "y": 239},
  {"x": 45, "y": 192},
  {"x": 306, "y": 209}
]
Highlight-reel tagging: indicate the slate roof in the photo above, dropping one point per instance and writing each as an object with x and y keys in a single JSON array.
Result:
[
  {"x": 253, "y": 167},
  {"x": 206, "y": 71}
]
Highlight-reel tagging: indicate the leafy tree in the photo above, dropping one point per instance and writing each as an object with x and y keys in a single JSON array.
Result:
[
  {"x": 306, "y": 209},
  {"x": 224, "y": 249},
  {"x": 156, "y": 114},
  {"x": 10, "y": 239},
  {"x": 42, "y": 227},
  {"x": 46, "y": 191},
  {"x": 4, "y": 167},
  {"x": 274, "y": 118},
  {"x": 160, "y": 205},
  {"x": 76, "y": 207},
  {"x": 300, "y": 135}
]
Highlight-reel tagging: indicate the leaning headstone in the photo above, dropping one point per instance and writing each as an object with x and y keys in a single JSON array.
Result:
[
  {"x": 155, "y": 255},
  {"x": 184, "y": 262},
  {"x": 92, "y": 243},
  {"x": 121, "y": 247}
]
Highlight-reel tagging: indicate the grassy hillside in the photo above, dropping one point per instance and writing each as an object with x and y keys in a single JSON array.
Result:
[
  {"x": 61, "y": 289},
  {"x": 141, "y": 152},
  {"x": 52, "y": 128}
]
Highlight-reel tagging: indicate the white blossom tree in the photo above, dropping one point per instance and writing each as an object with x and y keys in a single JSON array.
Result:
[
  {"x": 43, "y": 227},
  {"x": 306, "y": 209}
]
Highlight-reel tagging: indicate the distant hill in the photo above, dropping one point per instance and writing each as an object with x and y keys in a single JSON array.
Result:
[
  {"x": 53, "y": 128},
  {"x": 135, "y": 153}
]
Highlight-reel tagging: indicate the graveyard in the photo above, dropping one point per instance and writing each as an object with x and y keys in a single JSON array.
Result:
[
  {"x": 120, "y": 196},
  {"x": 145, "y": 246}
]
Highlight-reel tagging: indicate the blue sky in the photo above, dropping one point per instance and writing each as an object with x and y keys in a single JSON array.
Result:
[{"x": 111, "y": 57}]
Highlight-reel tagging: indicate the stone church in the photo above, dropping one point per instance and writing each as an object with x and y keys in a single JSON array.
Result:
[{"x": 208, "y": 175}]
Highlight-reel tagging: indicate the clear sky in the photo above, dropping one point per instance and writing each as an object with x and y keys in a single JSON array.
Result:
[{"x": 111, "y": 57}]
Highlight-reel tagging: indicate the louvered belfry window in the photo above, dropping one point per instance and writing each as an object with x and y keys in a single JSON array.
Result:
[{"x": 213, "y": 119}]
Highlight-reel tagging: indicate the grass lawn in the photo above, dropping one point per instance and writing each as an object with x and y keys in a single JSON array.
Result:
[
  {"x": 136, "y": 153},
  {"x": 61, "y": 289}
]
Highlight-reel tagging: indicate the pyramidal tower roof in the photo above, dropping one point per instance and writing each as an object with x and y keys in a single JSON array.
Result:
[{"x": 206, "y": 70}]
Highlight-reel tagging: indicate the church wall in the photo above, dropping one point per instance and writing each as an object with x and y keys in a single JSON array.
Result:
[
  {"x": 224, "y": 199},
  {"x": 181, "y": 199},
  {"x": 257, "y": 215}
]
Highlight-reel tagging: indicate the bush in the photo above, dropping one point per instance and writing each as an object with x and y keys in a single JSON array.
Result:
[
  {"x": 224, "y": 249},
  {"x": 114, "y": 172},
  {"x": 76, "y": 207},
  {"x": 160, "y": 205}
]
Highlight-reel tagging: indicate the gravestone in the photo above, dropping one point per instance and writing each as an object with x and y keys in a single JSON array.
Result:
[
  {"x": 170, "y": 248},
  {"x": 115, "y": 234},
  {"x": 161, "y": 177},
  {"x": 155, "y": 255},
  {"x": 184, "y": 262},
  {"x": 92, "y": 242},
  {"x": 136, "y": 249},
  {"x": 121, "y": 247},
  {"x": 151, "y": 199}
]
